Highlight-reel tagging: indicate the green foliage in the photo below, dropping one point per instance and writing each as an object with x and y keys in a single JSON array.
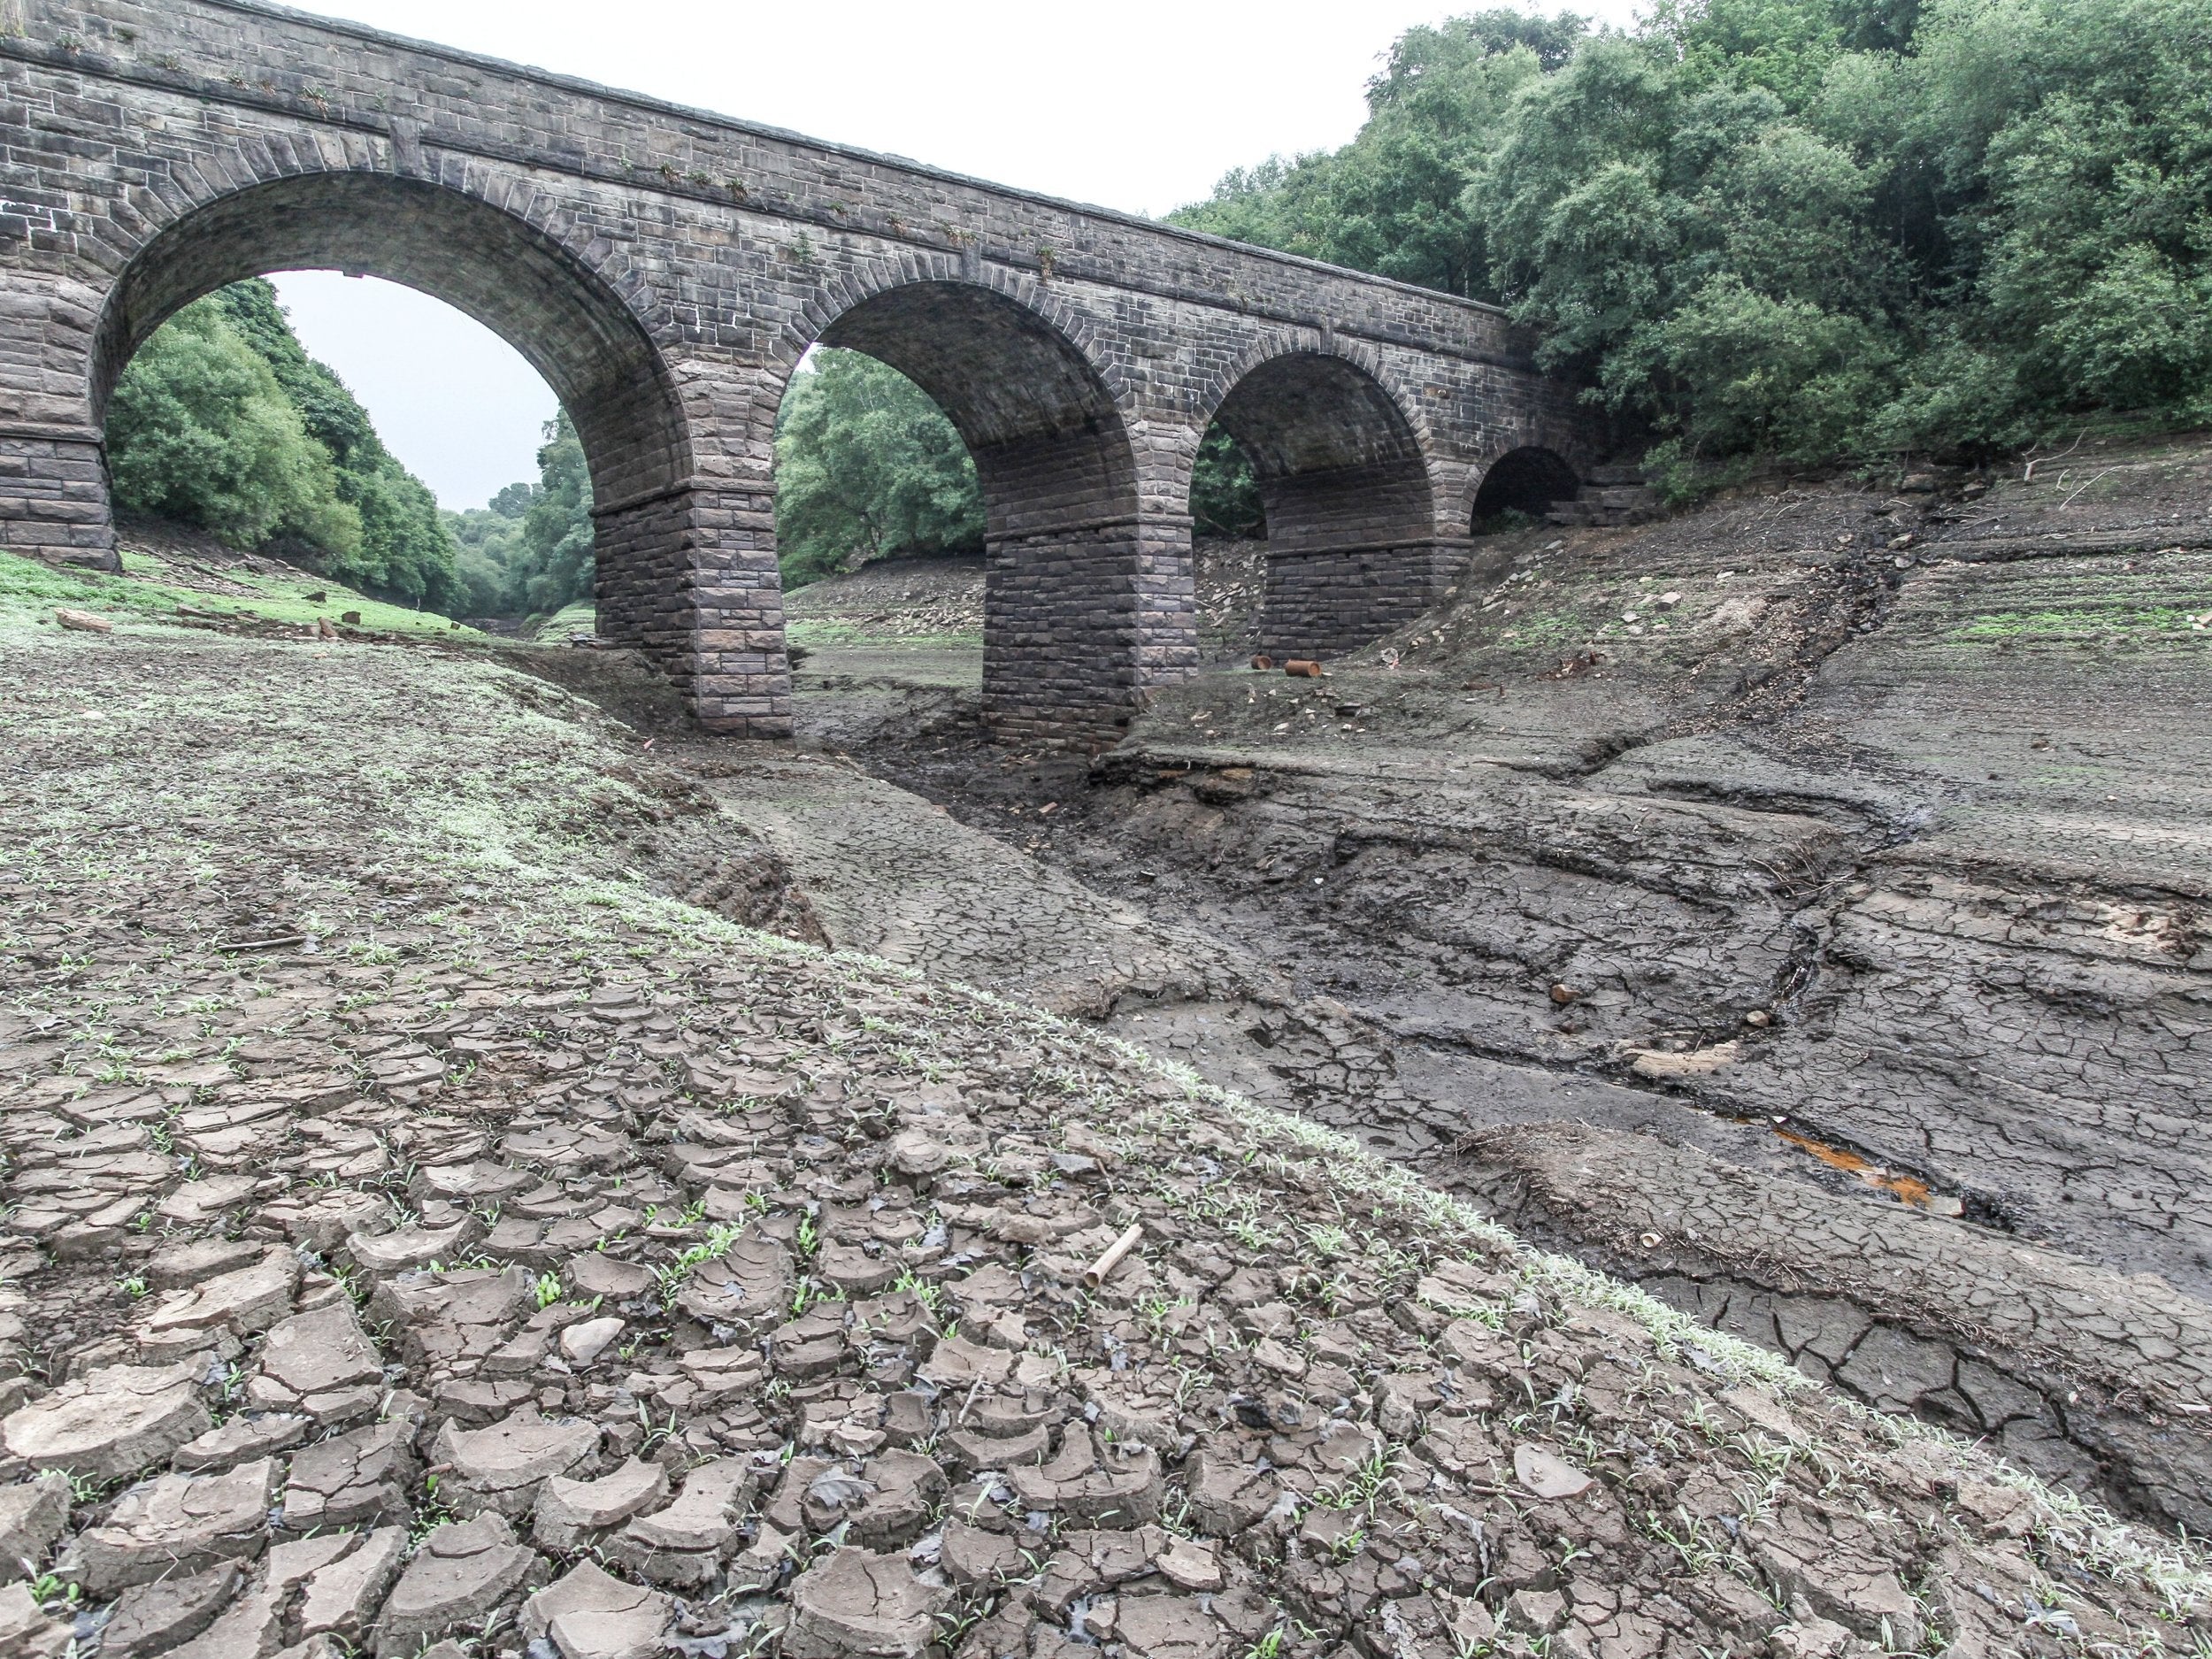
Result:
[
  {"x": 530, "y": 551},
  {"x": 199, "y": 430},
  {"x": 223, "y": 421},
  {"x": 1224, "y": 496},
  {"x": 1804, "y": 228},
  {"x": 867, "y": 466}
]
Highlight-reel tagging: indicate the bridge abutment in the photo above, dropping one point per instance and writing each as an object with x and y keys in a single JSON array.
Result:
[{"x": 1325, "y": 604}]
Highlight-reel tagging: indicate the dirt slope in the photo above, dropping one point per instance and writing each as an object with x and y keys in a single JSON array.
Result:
[
  {"x": 424, "y": 1229},
  {"x": 1850, "y": 838}
]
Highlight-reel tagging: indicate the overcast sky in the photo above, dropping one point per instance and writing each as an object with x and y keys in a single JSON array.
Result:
[{"x": 1137, "y": 104}]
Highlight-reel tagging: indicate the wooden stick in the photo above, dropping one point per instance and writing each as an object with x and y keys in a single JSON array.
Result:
[{"x": 1094, "y": 1275}]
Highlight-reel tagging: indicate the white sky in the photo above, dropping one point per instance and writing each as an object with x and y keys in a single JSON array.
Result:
[{"x": 1137, "y": 104}]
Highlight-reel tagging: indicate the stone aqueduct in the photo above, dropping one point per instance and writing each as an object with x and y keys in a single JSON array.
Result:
[{"x": 666, "y": 269}]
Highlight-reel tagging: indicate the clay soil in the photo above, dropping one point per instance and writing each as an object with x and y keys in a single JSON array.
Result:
[{"x": 457, "y": 1203}]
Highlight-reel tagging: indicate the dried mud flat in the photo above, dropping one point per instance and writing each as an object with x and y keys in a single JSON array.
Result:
[
  {"x": 426, "y": 1232},
  {"x": 1689, "y": 895}
]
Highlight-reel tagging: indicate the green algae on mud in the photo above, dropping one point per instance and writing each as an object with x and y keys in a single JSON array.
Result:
[{"x": 143, "y": 595}]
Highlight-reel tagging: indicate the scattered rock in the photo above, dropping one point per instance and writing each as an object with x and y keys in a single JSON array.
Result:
[{"x": 1546, "y": 1476}]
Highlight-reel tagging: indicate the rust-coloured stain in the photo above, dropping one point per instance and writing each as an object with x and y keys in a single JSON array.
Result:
[{"x": 1908, "y": 1189}]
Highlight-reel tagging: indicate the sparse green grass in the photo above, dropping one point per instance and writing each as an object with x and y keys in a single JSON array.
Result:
[
  {"x": 2171, "y": 622},
  {"x": 813, "y": 631},
  {"x": 580, "y": 617},
  {"x": 30, "y": 591}
]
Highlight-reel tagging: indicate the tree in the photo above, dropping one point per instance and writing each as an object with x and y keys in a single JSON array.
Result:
[
  {"x": 195, "y": 433},
  {"x": 867, "y": 466},
  {"x": 200, "y": 431},
  {"x": 1224, "y": 496},
  {"x": 1811, "y": 229}
]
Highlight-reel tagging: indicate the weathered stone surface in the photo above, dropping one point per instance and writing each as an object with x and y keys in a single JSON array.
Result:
[
  {"x": 113, "y": 1421},
  {"x": 858, "y": 1605},
  {"x": 595, "y": 1273},
  {"x": 240, "y": 1440},
  {"x": 570, "y": 1513},
  {"x": 501, "y": 1467},
  {"x": 237, "y": 1304},
  {"x": 32, "y": 1514},
  {"x": 26, "y": 1632},
  {"x": 411, "y": 1247},
  {"x": 177, "y": 1524},
  {"x": 177, "y": 1266},
  {"x": 1168, "y": 1627},
  {"x": 590, "y": 1615},
  {"x": 342, "y": 1597},
  {"x": 683, "y": 1544},
  {"x": 746, "y": 1290},
  {"x": 461, "y": 1571}
]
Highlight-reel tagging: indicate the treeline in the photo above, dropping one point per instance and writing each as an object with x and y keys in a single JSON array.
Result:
[
  {"x": 1805, "y": 229},
  {"x": 223, "y": 421},
  {"x": 528, "y": 553}
]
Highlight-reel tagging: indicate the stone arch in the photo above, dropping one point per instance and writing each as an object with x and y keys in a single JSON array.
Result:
[
  {"x": 1072, "y": 633},
  {"x": 1528, "y": 478},
  {"x": 678, "y": 574},
  {"x": 522, "y": 279},
  {"x": 1347, "y": 481}
]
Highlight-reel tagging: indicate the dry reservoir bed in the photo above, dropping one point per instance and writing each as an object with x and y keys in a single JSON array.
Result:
[{"x": 425, "y": 1234}]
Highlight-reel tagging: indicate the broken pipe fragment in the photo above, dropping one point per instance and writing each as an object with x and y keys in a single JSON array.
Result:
[{"x": 1094, "y": 1275}]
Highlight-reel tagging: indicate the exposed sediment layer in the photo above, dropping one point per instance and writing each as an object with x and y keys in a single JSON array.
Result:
[{"x": 734, "y": 1292}]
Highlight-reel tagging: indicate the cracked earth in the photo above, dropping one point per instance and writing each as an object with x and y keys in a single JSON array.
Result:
[{"x": 477, "y": 1184}]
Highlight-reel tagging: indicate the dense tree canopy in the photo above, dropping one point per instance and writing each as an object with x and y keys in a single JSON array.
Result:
[
  {"x": 1805, "y": 228},
  {"x": 530, "y": 551},
  {"x": 224, "y": 421},
  {"x": 867, "y": 466}
]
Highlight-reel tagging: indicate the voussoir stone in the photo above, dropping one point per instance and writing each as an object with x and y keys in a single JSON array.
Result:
[
  {"x": 860, "y": 1605},
  {"x": 113, "y": 1421}
]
